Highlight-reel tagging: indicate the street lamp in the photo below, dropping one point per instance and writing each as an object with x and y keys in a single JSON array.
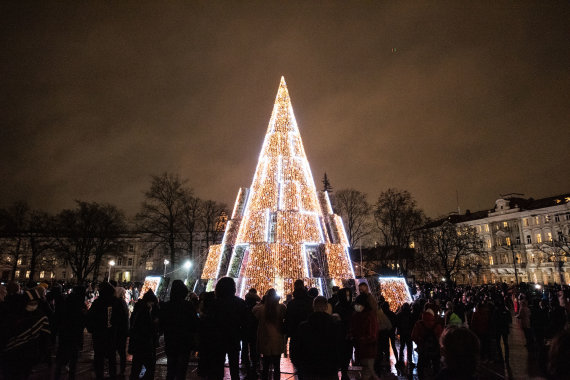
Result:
[
  {"x": 166, "y": 262},
  {"x": 111, "y": 264},
  {"x": 187, "y": 266}
]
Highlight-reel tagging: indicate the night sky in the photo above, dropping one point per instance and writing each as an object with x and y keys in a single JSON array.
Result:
[{"x": 433, "y": 97}]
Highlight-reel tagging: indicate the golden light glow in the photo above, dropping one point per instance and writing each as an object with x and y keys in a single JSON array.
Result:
[
  {"x": 278, "y": 231},
  {"x": 395, "y": 291}
]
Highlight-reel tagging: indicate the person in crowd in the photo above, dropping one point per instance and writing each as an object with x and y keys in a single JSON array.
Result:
[
  {"x": 207, "y": 335},
  {"x": 103, "y": 319},
  {"x": 557, "y": 317},
  {"x": 524, "y": 318},
  {"x": 122, "y": 330},
  {"x": 425, "y": 334},
  {"x": 298, "y": 309},
  {"x": 143, "y": 336},
  {"x": 392, "y": 332},
  {"x": 364, "y": 289},
  {"x": 344, "y": 309},
  {"x": 318, "y": 345},
  {"x": 334, "y": 298},
  {"x": 539, "y": 323},
  {"x": 558, "y": 356},
  {"x": 26, "y": 337},
  {"x": 313, "y": 292},
  {"x": 404, "y": 325},
  {"x": 249, "y": 352},
  {"x": 229, "y": 315},
  {"x": 384, "y": 329},
  {"x": 502, "y": 321},
  {"x": 179, "y": 322},
  {"x": 481, "y": 326},
  {"x": 364, "y": 333},
  {"x": 270, "y": 333},
  {"x": 71, "y": 318},
  {"x": 460, "y": 351}
]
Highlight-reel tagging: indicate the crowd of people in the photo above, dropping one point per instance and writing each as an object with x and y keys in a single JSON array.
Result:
[{"x": 445, "y": 332}]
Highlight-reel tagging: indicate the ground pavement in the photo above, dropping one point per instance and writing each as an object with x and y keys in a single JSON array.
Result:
[{"x": 522, "y": 365}]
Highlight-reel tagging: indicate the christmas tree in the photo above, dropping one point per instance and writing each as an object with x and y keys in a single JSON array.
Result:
[{"x": 281, "y": 228}]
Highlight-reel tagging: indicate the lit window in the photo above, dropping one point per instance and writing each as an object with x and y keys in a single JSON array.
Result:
[
  {"x": 491, "y": 261},
  {"x": 489, "y": 243},
  {"x": 508, "y": 239},
  {"x": 148, "y": 265},
  {"x": 479, "y": 228},
  {"x": 549, "y": 234},
  {"x": 546, "y": 218},
  {"x": 528, "y": 239},
  {"x": 486, "y": 228},
  {"x": 42, "y": 274},
  {"x": 27, "y": 274},
  {"x": 51, "y": 275},
  {"x": 525, "y": 222},
  {"x": 538, "y": 238},
  {"x": 412, "y": 245},
  {"x": 127, "y": 276},
  {"x": 536, "y": 220},
  {"x": 17, "y": 273},
  {"x": 505, "y": 224},
  {"x": 20, "y": 261}
]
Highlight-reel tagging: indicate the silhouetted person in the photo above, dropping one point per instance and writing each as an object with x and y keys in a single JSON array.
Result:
[
  {"x": 559, "y": 356},
  {"x": 364, "y": 332},
  {"x": 229, "y": 317},
  {"x": 344, "y": 309},
  {"x": 143, "y": 336},
  {"x": 179, "y": 322},
  {"x": 103, "y": 319},
  {"x": 318, "y": 345},
  {"x": 460, "y": 351},
  {"x": 71, "y": 318}
]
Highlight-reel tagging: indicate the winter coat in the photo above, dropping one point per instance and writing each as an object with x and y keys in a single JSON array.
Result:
[
  {"x": 179, "y": 322},
  {"x": 404, "y": 323},
  {"x": 425, "y": 328},
  {"x": 251, "y": 301},
  {"x": 298, "y": 310},
  {"x": 103, "y": 320},
  {"x": 503, "y": 320},
  {"x": 27, "y": 339},
  {"x": 480, "y": 321},
  {"x": 270, "y": 336},
  {"x": 143, "y": 333},
  {"x": 317, "y": 349},
  {"x": 364, "y": 331},
  {"x": 228, "y": 318},
  {"x": 71, "y": 319}
]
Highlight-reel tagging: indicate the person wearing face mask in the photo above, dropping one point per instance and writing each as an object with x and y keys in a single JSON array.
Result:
[
  {"x": 363, "y": 330},
  {"x": 28, "y": 339}
]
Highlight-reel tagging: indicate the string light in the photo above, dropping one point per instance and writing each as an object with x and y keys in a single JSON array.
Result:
[
  {"x": 281, "y": 216},
  {"x": 395, "y": 291}
]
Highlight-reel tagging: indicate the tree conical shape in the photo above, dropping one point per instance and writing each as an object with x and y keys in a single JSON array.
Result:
[{"x": 282, "y": 229}]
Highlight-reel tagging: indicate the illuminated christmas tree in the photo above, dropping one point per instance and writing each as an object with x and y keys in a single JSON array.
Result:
[{"x": 281, "y": 228}]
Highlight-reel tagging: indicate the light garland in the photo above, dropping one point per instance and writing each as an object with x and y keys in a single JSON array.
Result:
[
  {"x": 395, "y": 291},
  {"x": 281, "y": 215}
]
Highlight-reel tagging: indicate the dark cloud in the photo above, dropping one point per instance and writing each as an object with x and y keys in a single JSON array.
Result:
[{"x": 430, "y": 97}]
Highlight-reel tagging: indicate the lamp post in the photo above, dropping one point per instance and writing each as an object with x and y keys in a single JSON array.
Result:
[
  {"x": 111, "y": 264},
  {"x": 187, "y": 266},
  {"x": 166, "y": 262}
]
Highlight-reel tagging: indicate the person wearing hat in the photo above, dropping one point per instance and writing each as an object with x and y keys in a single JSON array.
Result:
[
  {"x": 28, "y": 338},
  {"x": 425, "y": 334}
]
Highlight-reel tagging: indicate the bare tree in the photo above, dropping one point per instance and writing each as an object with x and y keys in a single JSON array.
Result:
[
  {"x": 85, "y": 234},
  {"x": 13, "y": 226},
  {"x": 354, "y": 209},
  {"x": 191, "y": 219},
  {"x": 397, "y": 217},
  {"x": 162, "y": 212},
  {"x": 448, "y": 248},
  {"x": 24, "y": 231}
]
